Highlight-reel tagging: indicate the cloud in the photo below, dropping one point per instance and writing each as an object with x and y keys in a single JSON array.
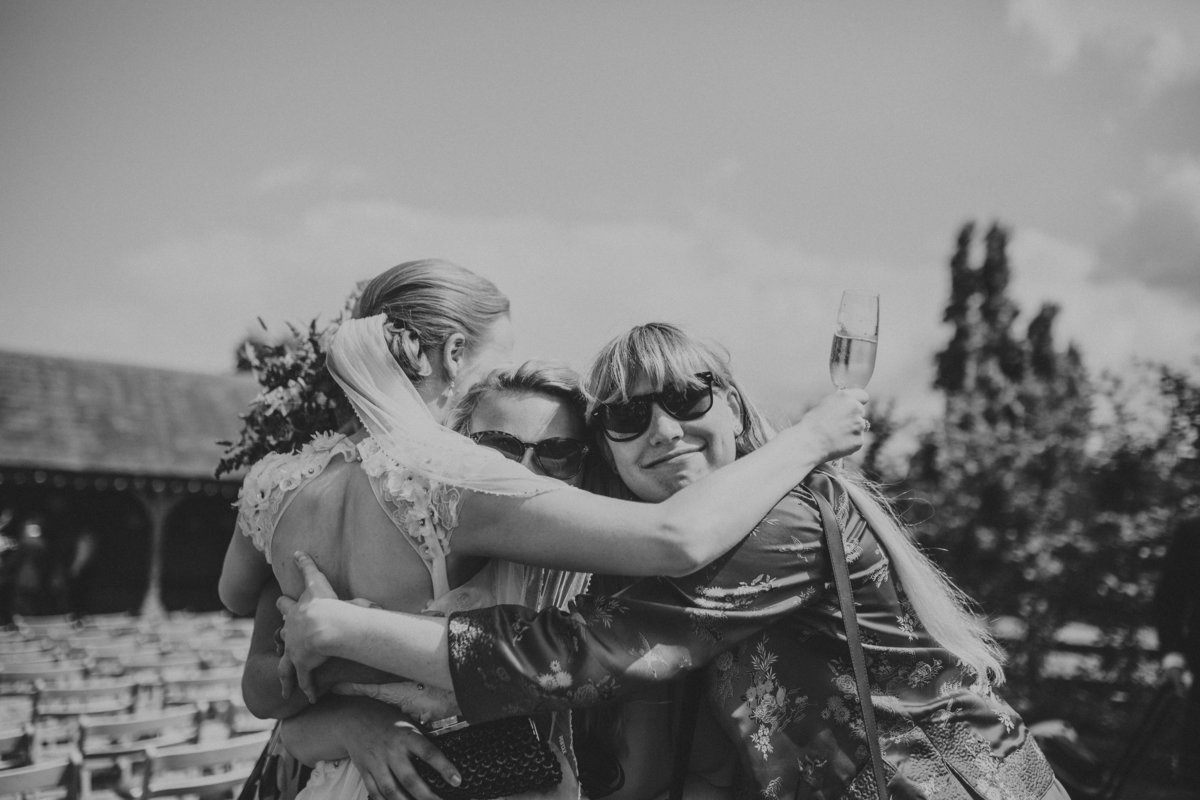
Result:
[
  {"x": 299, "y": 174},
  {"x": 185, "y": 303},
  {"x": 724, "y": 171},
  {"x": 1158, "y": 242},
  {"x": 1160, "y": 40},
  {"x": 1113, "y": 321}
]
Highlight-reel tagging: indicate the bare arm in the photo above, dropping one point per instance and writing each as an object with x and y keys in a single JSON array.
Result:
[
  {"x": 243, "y": 575},
  {"x": 575, "y": 530},
  {"x": 320, "y": 627},
  {"x": 260, "y": 685},
  {"x": 377, "y": 738},
  {"x": 261, "y": 690}
]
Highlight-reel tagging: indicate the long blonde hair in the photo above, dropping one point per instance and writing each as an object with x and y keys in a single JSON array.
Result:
[
  {"x": 665, "y": 355},
  {"x": 943, "y": 608}
]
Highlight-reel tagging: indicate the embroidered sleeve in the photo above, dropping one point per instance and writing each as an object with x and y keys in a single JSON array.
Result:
[{"x": 274, "y": 480}]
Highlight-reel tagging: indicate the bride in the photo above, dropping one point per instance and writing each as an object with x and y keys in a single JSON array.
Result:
[{"x": 343, "y": 501}]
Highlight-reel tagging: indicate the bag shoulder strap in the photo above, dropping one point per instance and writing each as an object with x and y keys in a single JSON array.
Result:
[
  {"x": 687, "y": 706},
  {"x": 841, "y": 579}
]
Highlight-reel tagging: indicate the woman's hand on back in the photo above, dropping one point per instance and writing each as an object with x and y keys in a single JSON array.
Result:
[
  {"x": 308, "y": 622},
  {"x": 836, "y": 424}
]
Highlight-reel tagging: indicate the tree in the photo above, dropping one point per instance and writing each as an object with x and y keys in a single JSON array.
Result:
[
  {"x": 1145, "y": 476},
  {"x": 1005, "y": 472},
  {"x": 1048, "y": 496}
]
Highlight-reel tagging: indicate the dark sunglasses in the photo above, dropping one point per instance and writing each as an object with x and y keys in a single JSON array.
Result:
[
  {"x": 558, "y": 457},
  {"x": 626, "y": 420}
]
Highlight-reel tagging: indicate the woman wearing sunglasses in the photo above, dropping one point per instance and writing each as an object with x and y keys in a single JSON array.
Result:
[
  {"x": 764, "y": 618},
  {"x": 407, "y": 510}
]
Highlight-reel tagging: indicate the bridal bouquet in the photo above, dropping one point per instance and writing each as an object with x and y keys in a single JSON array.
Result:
[{"x": 298, "y": 397}]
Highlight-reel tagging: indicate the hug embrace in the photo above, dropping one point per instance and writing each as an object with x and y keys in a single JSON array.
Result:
[{"x": 631, "y": 567}]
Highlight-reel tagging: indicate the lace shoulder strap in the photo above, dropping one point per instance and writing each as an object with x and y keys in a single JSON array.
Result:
[
  {"x": 275, "y": 480},
  {"x": 424, "y": 511}
]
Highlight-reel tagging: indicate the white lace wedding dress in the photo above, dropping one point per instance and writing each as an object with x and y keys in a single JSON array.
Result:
[{"x": 425, "y": 512}]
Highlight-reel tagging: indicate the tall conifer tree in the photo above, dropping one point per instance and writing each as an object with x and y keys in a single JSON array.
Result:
[{"x": 1005, "y": 471}]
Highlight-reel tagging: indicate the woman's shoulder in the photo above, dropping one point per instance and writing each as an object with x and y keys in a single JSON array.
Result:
[
  {"x": 275, "y": 479},
  {"x": 425, "y": 510},
  {"x": 797, "y": 516},
  {"x": 395, "y": 483},
  {"x": 817, "y": 487},
  {"x": 800, "y": 503}
]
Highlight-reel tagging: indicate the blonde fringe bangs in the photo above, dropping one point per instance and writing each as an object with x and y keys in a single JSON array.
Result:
[
  {"x": 661, "y": 353},
  {"x": 665, "y": 355}
]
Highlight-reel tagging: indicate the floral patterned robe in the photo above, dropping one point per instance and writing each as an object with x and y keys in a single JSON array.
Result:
[{"x": 764, "y": 622}]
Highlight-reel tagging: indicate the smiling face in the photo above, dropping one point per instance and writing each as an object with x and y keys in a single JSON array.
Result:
[
  {"x": 531, "y": 417},
  {"x": 673, "y": 453}
]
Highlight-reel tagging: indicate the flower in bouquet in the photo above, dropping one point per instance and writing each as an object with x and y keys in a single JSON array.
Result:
[{"x": 298, "y": 398}]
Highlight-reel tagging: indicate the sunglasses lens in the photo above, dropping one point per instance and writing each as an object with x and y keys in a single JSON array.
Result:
[
  {"x": 507, "y": 445},
  {"x": 560, "y": 458},
  {"x": 624, "y": 421},
  {"x": 688, "y": 403}
]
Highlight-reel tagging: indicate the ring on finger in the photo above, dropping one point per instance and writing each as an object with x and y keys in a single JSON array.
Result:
[{"x": 866, "y": 425}]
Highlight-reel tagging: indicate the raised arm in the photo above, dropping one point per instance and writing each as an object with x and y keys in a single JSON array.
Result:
[{"x": 575, "y": 530}]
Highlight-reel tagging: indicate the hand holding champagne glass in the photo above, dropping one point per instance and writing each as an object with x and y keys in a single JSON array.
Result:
[{"x": 852, "y": 358}]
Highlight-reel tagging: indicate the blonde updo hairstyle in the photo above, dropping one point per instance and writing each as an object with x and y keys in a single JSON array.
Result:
[{"x": 431, "y": 299}]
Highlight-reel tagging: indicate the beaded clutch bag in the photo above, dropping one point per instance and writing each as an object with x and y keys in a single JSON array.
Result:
[{"x": 495, "y": 759}]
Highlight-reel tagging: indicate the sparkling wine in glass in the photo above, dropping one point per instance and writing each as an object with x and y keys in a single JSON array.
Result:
[{"x": 852, "y": 359}]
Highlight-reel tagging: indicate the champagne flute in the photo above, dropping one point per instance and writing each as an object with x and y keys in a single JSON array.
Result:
[{"x": 852, "y": 357}]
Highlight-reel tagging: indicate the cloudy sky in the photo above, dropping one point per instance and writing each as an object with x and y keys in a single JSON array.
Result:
[{"x": 169, "y": 171}]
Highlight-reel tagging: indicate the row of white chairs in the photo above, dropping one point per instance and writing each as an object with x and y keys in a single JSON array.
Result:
[
  {"x": 31, "y": 698},
  {"x": 212, "y": 769},
  {"x": 115, "y": 706}
]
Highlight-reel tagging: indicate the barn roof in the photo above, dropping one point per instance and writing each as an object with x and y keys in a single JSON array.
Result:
[{"x": 88, "y": 416}]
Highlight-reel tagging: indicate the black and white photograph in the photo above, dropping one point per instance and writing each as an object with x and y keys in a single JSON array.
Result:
[{"x": 706, "y": 400}]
